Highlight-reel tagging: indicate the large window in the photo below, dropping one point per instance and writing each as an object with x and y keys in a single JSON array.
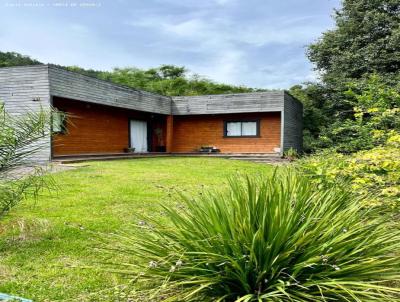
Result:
[{"x": 242, "y": 129}]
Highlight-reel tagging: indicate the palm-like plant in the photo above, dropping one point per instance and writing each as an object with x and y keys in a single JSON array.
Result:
[
  {"x": 20, "y": 138},
  {"x": 277, "y": 238}
]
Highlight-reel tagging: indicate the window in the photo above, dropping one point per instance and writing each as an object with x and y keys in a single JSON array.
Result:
[
  {"x": 242, "y": 129},
  {"x": 58, "y": 122}
]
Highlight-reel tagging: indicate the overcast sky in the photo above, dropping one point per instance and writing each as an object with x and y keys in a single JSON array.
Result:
[{"x": 257, "y": 43}]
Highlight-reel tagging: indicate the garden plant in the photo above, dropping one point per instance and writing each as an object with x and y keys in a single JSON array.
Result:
[
  {"x": 273, "y": 238},
  {"x": 20, "y": 138}
]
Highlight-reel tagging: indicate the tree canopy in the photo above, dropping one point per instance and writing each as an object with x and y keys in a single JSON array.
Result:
[
  {"x": 364, "y": 43},
  {"x": 165, "y": 79},
  {"x": 366, "y": 40},
  {"x": 8, "y": 59}
]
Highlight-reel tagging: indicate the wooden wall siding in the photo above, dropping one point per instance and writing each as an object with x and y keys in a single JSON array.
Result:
[
  {"x": 19, "y": 86},
  {"x": 270, "y": 101},
  {"x": 170, "y": 133},
  {"x": 192, "y": 132},
  {"x": 93, "y": 128},
  {"x": 73, "y": 85},
  {"x": 293, "y": 124}
]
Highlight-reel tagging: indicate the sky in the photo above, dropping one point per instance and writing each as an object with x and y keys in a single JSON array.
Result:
[{"x": 256, "y": 43}]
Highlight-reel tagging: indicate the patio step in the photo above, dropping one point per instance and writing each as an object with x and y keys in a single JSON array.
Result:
[
  {"x": 107, "y": 155},
  {"x": 255, "y": 157},
  {"x": 271, "y": 161},
  {"x": 264, "y": 159},
  {"x": 98, "y": 157}
]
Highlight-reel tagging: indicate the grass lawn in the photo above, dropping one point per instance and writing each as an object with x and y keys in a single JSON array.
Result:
[{"x": 45, "y": 244}]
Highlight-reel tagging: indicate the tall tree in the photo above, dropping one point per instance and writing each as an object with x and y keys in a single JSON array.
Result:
[{"x": 366, "y": 40}]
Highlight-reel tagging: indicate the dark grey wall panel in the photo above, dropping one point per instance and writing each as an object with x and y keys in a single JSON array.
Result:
[
  {"x": 24, "y": 89},
  {"x": 292, "y": 124},
  {"x": 270, "y": 101},
  {"x": 73, "y": 85}
]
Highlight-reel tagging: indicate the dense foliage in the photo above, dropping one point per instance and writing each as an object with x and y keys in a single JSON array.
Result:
[
  {"x": 276, "y": 238},
  {"x": 376, "y": 116},
  {"x": 166, "y": 79},
  {"x": 371, "y": 140},
  {"x": 363, "y": 43},
  {"x": 366, "y": 40},
  {"x": 353, "y": 114},
  {"x": 9, "y": 59},
  {"x": 373, "y": 174},
  {"x": 316, "y": 115},
  {"x": 20, "y": 137}
]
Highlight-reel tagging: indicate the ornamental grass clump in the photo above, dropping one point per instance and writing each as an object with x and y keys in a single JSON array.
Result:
[{"x": 273, "y": 238}]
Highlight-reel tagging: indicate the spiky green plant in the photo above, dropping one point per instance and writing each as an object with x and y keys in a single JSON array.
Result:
[
  {"x": 21, "y": 136},
  {"x": 276, "y": 238}
]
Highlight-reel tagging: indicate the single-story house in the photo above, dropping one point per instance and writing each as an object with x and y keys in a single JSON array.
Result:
[{"x": 106, "y": 118}]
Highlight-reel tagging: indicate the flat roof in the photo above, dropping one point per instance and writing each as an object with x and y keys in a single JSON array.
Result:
[{"x": 74, "y": 85}]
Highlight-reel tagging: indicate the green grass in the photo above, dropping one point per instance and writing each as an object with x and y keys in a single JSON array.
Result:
[
  {"x": 279, "y": 237},
  {"x": 47, "y": 246}
]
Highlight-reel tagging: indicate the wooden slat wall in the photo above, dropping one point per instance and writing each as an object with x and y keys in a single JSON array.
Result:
[
  {"x": 271, "y": 101},
  {"x": 293, "y": 124},
  {"x": 19, "y": 86},
  {"x": 93, "y": 128},
  {"x": 193, "y": 131},
  {"x": 73, "y": 85}
]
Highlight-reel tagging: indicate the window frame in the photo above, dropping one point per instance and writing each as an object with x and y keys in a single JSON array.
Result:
[{"x": 257, "y": 135}]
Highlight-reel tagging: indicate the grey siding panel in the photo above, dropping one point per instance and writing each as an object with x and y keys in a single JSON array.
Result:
[
  {"x": 72, "y": 85},
  {"x": 270, "y": 101},
  {"x": 292, "y": 124},
  {"x": 19, "y": 86}
]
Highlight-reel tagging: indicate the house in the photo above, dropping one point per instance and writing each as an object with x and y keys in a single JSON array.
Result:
[{"x": 103, "y": 117}]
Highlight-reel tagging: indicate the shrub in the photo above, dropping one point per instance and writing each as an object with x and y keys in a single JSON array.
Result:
[
  {"x": 374, "y": 115},
  {"x": 278, "y": 238},
  {"x": 373, "y": 174},
  {"x": 291, "y": 154}
]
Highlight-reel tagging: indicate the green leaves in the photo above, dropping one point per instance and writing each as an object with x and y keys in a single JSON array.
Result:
[
  {"x": 361, "y": 50},
  {"x": 8, "y": 59},
  {"x": 374, "y": 116},
  {"x": 363, "y": 42},
  {"x": 167, "y": 80},
  {"x": 276, "y": 238},
  {"x": 20, "y": 137},
  {"x": 373, "y": 174}
]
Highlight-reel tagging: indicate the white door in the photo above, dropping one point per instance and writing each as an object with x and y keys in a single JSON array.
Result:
[{"x": 139, "y": 136}]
